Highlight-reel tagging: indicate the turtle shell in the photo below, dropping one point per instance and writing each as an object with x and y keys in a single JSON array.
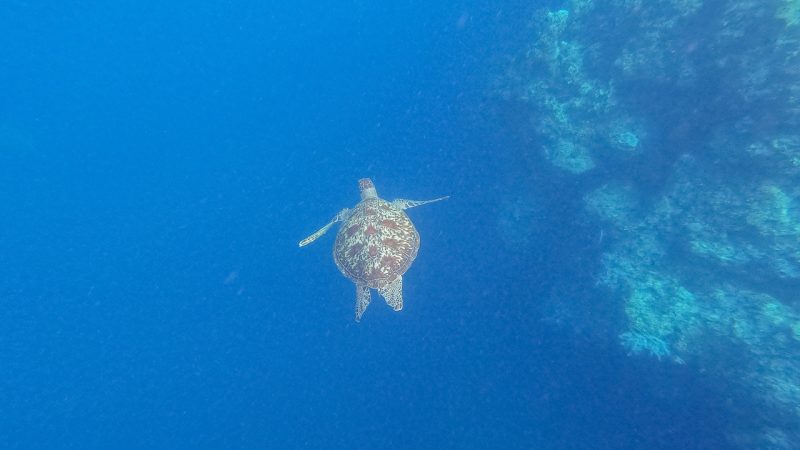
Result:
[{"x": 376, "y": 244}]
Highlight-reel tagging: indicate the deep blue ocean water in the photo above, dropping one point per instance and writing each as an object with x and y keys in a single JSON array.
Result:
[{"x": 160, "y": 162}]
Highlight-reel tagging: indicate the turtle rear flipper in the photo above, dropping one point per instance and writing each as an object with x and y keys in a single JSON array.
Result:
[
  {"x": 362, "y": 300},
  {"x": 393, "y": 293}
]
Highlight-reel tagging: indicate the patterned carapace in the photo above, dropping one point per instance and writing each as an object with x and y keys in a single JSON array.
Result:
[{"x": 376, "y": 244}]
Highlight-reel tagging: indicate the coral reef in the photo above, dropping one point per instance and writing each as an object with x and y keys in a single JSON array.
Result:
[
  {"x": 704, "y": 259},
  {"x": 574, "y": 113}
]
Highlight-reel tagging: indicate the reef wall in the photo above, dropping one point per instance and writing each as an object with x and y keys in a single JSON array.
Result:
[{"x": 685, "y": 117}]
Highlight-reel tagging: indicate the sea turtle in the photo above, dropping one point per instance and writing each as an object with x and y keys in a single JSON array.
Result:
[{"x": 375, "y": 246}]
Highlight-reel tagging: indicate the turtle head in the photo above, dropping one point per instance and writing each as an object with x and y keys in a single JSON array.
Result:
[{"x": 367, "y": 189}]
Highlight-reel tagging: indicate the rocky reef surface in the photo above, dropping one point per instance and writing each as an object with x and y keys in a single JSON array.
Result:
[{"x": 683, "y": 118}]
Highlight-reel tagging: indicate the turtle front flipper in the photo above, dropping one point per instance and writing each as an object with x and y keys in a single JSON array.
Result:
[
  {"x": 362, "y": 300},
  {"x": 402, "y": 203},
  {"x": 393, "y": 293},
  {"x": 342, "y": 215}
]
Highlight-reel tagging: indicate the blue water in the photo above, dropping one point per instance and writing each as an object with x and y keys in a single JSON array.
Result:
[{"x": 160, "y": 162}]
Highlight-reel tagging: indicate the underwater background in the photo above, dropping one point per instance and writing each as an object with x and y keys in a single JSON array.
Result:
[{"x": 618, "y": 265}]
